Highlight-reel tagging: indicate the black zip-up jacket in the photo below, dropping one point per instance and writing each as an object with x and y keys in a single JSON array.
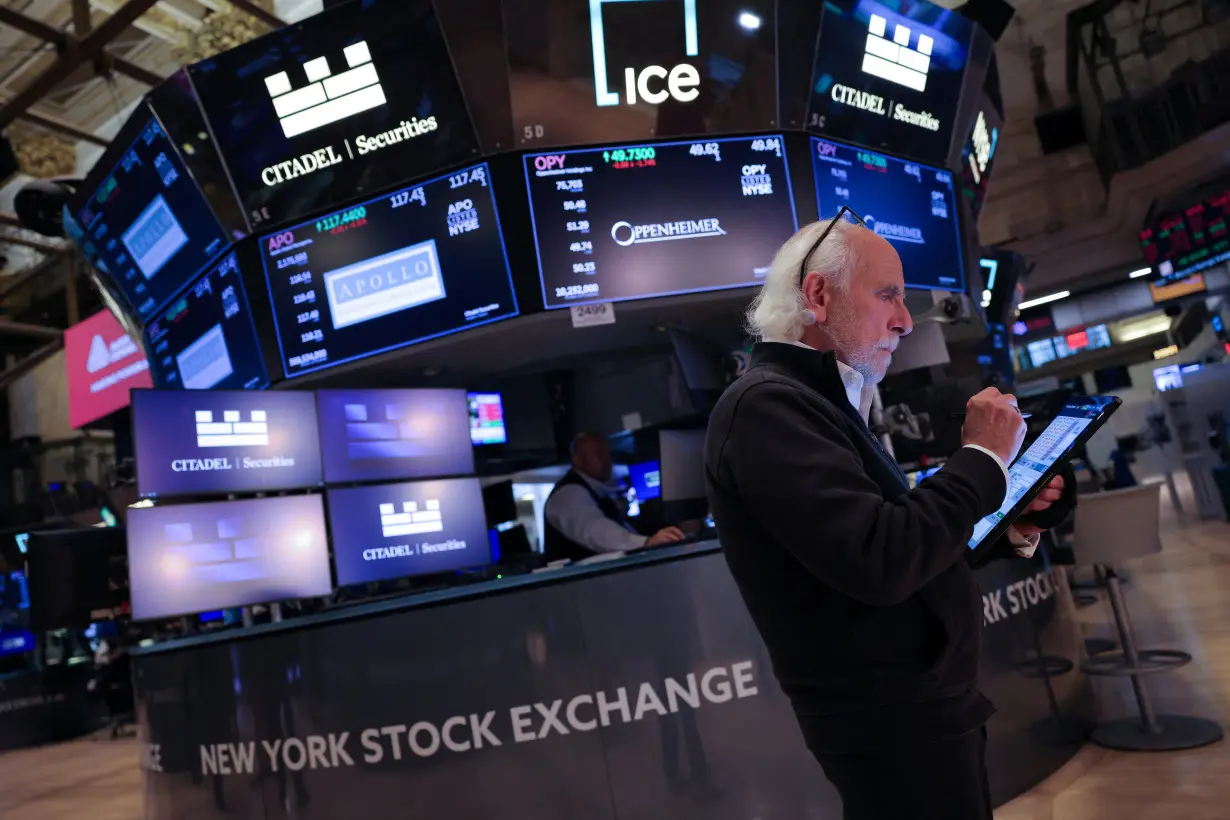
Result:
[{"x": 860, "y": 587}]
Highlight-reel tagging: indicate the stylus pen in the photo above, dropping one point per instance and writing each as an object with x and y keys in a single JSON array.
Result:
[{"x": 962, "y": 415}]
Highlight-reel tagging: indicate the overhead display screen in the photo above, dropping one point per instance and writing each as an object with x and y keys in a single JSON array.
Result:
[
  {"x": 913, "y": 206},
  {"x": 608, "y": 70},
  {"x": 1179, "y": 244},
  {"x": 188, "y": 558},
  {"x": 636, "y": 221},
  {"x": 102, "y": 364},
  {"x": 352, "y": 99},
  {"x": 486, "y": 418},
  {"x": 148, "y": 222},
  {"x": 191, "y": 442},
  {"x": 890, "y": 78},
  {"x": 417, "y": 528},
  {"x": 412, "y": 265},
  {"x": 381, "y": 434},
  {"x": 206, "y": 339}
]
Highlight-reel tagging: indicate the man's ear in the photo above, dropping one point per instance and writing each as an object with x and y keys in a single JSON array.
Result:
[{"x": 816, "y": 295}]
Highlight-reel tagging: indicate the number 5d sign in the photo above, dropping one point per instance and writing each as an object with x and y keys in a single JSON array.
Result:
[{"x": 653, "y": 83}]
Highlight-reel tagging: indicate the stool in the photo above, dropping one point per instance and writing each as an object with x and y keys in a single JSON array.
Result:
[{"x": 1115, "y": 526}]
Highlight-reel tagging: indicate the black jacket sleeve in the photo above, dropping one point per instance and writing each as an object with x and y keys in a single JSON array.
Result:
[{"x": 801, "y": 476}]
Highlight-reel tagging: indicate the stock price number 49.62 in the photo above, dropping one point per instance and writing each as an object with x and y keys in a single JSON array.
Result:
[{"x": 584, "y": 267}]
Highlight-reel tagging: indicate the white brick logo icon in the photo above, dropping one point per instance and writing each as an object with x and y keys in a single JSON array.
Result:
[
  {"x": 894, "y": 60},
  {"x": 328, "y": 97},
  {"x": 411, "y": 520},
  {"x": 231, "y": 431}
]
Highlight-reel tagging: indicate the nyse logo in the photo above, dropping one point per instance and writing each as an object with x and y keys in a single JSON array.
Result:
[
  {"x": 328, "y": 97},
  {"x": 232, "y": 431},
  {"x": 894, "y": 60},
  {"x": 411, "y": 520},
  {"x": 678, "y": 83}
]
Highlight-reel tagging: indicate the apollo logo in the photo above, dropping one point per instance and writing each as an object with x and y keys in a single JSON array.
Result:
[
  {"x": 328, "y": 97},
  {"x": 894, "y": 60},
  {"x": 678, "y": 83},
  {"x": 386, "y": 284},
  {"x": 103, "y": 355},
  {"x": 411, "y": 520},
  {"x": 231, "y": 431}
]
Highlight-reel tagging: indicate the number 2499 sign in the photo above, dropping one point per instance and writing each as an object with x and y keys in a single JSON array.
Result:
[{"x": 602, "y": 313}]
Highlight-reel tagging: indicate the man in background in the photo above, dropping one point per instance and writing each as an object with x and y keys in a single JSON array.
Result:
[{"x": 585, "y": 513}]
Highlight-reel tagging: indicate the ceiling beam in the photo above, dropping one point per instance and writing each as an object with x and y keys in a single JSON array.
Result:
[
  {"x": 31, "y": 361},
  {"x": 36, "y": 244},
  {"x": 11, "y": 328},
  {"x": 65, "y": 44},
  {"x": 259, "y": 13},
  {"x": 61, "y": 127}
]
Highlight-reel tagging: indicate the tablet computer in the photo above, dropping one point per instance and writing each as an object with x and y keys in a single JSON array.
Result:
[{"x": 1033, "y": 469}]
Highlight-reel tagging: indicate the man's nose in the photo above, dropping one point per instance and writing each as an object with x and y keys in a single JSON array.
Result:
[{"x": 902, "y": 322}]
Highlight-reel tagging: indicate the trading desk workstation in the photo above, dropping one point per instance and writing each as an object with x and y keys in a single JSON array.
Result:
[{"x": 341, "y": 242}]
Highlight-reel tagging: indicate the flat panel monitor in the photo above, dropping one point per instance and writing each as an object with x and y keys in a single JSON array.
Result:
[
  {"x": 683, "y": 464},
  {"x": 206, "y": 339},
  {"x": 189, "y": 558},
  {"x": 389, "y": 531},
  {"x": 890, "y": 76},
  {"x": 190, "y": 442},
  {"x": 368, "y": 435},
  {"x": 499, "y": 503},
  {"x": 913, "y": 206},
  {"x": 1188, "y": 240},
  {"x": 102, "y": 364},
  {"x": 486, "y": 418},
  {"x": 613, "y": 69},
  {"x": 147, "y": 221},
  {"x": 637, "y": 221},
  {"x": 351, "y": 100},
  {"x": 415, "y": 264},
  {"x": 646, "y": 480}
]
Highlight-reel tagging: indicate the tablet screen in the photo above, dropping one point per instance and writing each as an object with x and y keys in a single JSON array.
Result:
[{"x": 1052, "y": 445}]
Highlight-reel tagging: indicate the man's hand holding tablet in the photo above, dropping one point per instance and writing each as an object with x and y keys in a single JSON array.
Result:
[{"x": 993, "y": 423}]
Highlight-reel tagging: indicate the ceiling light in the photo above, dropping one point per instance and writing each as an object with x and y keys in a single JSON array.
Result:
[
  {"x": 749, "y": 21},
  {"x": 1042, "y": 300},
  {"x": 1136, "y": 274}
]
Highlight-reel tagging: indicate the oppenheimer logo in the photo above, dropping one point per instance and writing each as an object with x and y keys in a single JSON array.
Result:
[
  {"x": 327, "y": 98},
  {"x": 678, "y": 83},
  {"x": 625, "y": 233},
  {"x": 895, "y": 233}
]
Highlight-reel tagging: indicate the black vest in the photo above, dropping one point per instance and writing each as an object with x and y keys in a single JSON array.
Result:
[{"x": 556, "y": 545}]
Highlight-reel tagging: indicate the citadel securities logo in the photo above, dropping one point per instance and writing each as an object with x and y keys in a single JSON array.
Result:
[
  {"x": 894, "y": 60},
  {"x": 411, "y": 521},
  {"x": 678, "y": 83},
  {"x": 329, "y": 98},
  {"x": 231, "y": 431},
  {"x": 625, "y": 233},
  {"x": 895, "y": 233}
]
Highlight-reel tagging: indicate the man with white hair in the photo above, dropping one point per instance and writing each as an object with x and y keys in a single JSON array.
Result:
[{"x": 860, "y": 586}]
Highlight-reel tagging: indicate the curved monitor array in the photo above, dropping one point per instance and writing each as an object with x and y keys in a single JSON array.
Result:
[{"x": 278, "y": 138}]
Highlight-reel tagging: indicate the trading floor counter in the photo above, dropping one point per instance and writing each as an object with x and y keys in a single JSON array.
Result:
[{"x": 630, "y": 688}]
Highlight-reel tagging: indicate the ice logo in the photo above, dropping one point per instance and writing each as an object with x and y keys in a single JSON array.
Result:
[
  {"x": 328, "y": 98},
  {"x": 231, "y": 431},
  {"x": 894, "y": 60},
  {"x": 411, "y": 520}
]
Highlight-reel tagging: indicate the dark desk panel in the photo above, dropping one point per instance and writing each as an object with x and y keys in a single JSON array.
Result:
[{"x": 632, "y": 688}]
